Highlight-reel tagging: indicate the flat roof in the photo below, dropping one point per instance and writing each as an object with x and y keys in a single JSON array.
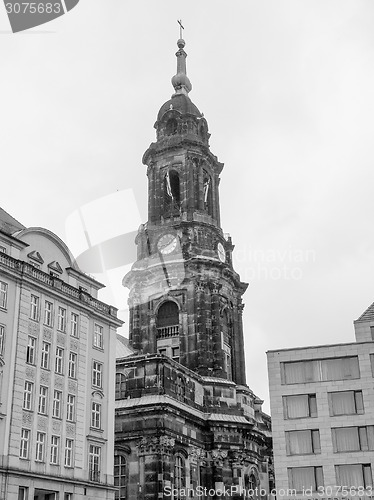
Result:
[{"x": 319, "y": 346}]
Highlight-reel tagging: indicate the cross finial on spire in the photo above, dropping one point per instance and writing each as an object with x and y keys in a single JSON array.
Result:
[{"x": 181, "y": 27}]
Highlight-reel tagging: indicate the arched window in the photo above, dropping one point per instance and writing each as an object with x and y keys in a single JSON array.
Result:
[
  {"x": 251, "y": 482},
  {"x": 171, "y": 192},
  {"x": 120, "y": 477},
  {"x": 179, "y": 474},
  {"x": 167, "y": 322},
  {"x": 208, "y": 193},
  {"x": 171, "y": 126},
  {"x": 120, "y": 386},
  {"x": 226, "y": 342}
]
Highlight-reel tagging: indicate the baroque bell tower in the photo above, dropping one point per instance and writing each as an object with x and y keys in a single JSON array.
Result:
[
  {"x": 187, "y": 425},
  {"x": 185, "y": 297}
]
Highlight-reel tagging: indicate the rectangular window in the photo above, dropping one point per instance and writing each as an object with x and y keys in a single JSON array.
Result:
[
  {"x": 57, "y": 398},
  {"x": 59, "y": 360},
  {"x": 30, "y": 351},
  {"x": 27, "y": 395},
  {"x": 175, "y": 353},
  {"x": 96, "y": 416},
  {"x": 300, "y": 406},
  {"x": 55, "y": 450},
  {"x": 61, "y": 319},
  {"x": 303, "y": 442},
  {"x": 46, "y": 348},
  {"x": 23, "y": 493},
  {"x": 34, "y": 308},
  {"x": 301, "y": 372},
  {"x": 94, "y": 462},
  {"x": 24, "y": 443},
  {"x": 372, "y": 332},
  {"x": 70, "y": 408},
  {"x": 40, "y": 444},
  {"x": 48, "y": 313},
  {"x": 345, "y": 403},
  {"x": 97, "y": 370},
  {"x": 98, "y": 336},
  {"x": 69, "y": 447},
  {"x": 354, "y": 476},
  {"x": 346, "y": 439},
  {"x": 72, "y": 369},
  {"x": 74, "y": 323},
  {"x": 2, "y": 339},
  {"x": 302, "y": 478},
  {"x": 68, "y": 496},
  {"x": 43, "y": 398},
  {"x": 3, "y": 294},
  {"x": 372, "y": 363}
]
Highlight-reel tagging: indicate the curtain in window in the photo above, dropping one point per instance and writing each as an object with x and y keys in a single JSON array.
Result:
[
  {"x": 299, "y": 372},
  {"x": 300, "y": 442},
  {"x": 302, "y": 478},
  {"x": 339, "y": 368},
  {"x": 350, "y": 475},
  {"x": 297, "y": 406},
  {"x": 346, "y": 439},
  {"x": 342, "y": 403}
]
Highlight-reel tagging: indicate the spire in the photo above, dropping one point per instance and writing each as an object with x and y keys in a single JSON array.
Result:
[{"x": 180, "y": 81}]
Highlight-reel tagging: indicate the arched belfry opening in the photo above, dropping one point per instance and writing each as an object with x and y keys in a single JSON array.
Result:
[
  {"x": 167, "y": 325},
  {"x": 172, "y": 191},
  {"x": 171, "y": 126},
  {"x": 208, "y": 193},
  {"x": 167, "y": 322},
  {"x": 226, "y": 342}
]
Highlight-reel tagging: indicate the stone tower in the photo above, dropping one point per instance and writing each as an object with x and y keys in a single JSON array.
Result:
[
  {"x": 185, "y": 419},
  {"x": 185, "y": 297}
]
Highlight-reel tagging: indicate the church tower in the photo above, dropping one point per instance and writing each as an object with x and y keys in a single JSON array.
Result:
[
  {"x": 187, "y": 425},
  {"x": 185, "y": 297}
]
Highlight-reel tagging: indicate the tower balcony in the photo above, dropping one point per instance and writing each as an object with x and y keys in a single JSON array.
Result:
[{"x": 167, "y": 331}]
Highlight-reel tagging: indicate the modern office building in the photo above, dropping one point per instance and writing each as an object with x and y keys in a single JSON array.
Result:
[
  {"x": 322, "y": 408},
  {"x": 57, "y": 372},
  {"x": 187, "y": 424}
]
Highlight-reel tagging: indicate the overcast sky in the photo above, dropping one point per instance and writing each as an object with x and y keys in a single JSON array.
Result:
[{"x": 287, "y": 89}]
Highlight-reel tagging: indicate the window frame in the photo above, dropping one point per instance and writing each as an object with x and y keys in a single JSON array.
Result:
[
  {"x": 98, "y": 336},
  {"x": 28, "y": 396},
  {"x": 74, "y": 325},
  {"x": 94, "y": 462},
  {"x": 358, "y": 399},
  {"x": 2, "y": 340},
  {"x": 54, "y": 458},
  {"x": 311, "y": 403},
  {"x": 70, "y": 408},
  {"x": 61, "y": 319},
  {"x": 43, "y": 400},
  {"x": 97, "y": 374},
  {"x": 34, "y": 307},
  {"x": 96, "y": 415},
  {"x": 31, "y": 351},
  {"x": 40, "y": 447},
  {"x": 4, "y": 295},
  {"x": 57, "y": 404},
  {"x": 45, "y": 355},
  {"x": 48, "y": 314},
  {"x": 72, "y": 364},
  {"x": 59, "y": 360},
  {"x": 69, "y": 453},
  {"x": 314, "y": 441},
  {"x": 24, "y": 445}
]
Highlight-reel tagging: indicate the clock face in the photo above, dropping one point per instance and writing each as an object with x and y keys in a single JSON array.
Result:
[
  {"x": 221, "y": 252},
  {"x": 167, "y": 243}
]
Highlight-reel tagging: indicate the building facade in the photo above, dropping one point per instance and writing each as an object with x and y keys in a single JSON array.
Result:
[
  {"x": 57, "y": 346},
  {"x": 186, "y": 422},
  {"x": 322, "y": 408}
]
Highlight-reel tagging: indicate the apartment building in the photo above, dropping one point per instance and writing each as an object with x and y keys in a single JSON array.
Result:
[
  {"x": 57, "y": 372},
  {"x": 322, "y": 408}
]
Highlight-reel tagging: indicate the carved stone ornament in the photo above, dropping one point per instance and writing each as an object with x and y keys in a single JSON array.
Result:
[
  {"x": 154, "y": 444},
  {"x": 200, "y": 286},
  {"x": 197, "y": 453},
  {"x": 218, "y": 454}
]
